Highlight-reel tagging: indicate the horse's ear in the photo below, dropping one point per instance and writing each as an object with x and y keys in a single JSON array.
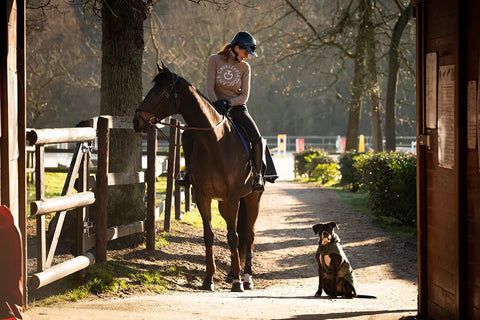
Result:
[
  {"x": 159, "y": 69},
  {"x": 167, "y": 72}
]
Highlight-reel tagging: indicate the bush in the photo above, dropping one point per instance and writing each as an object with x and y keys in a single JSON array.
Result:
[
  {"x": 316, "y": 165},
  {"x": 349, "y": 174},
  {"x": 324, "y": 172},
  {"x": 390, "y": 180},
  {"x": 303, "y": 159}
]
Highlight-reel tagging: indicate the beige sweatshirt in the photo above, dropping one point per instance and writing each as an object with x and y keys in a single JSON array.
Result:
[{"x": 227, "y": 79}]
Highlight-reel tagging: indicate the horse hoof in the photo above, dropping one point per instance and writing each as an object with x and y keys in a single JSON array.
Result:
[
  {"x": 237, "y": 287},
  {"x": 208, "y": 286},
  {"x": 248, "y": 285},
  {"x": 229, "y": 278}
]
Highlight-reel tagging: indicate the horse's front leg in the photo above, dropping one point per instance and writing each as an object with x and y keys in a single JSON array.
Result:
[
  {"x": 229, "y": 211},
  {"x": 250, "y": 210},
  {"x": 204, "y": 206}
]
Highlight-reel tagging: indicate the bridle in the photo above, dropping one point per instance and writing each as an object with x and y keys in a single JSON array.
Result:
[{"x": 165, "y": 94}]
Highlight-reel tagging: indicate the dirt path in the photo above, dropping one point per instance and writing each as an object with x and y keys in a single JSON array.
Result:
[{"x": 385, "y": 266}]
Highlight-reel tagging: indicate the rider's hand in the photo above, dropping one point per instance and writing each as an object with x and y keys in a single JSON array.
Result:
[{"x": 222, "y": 106}]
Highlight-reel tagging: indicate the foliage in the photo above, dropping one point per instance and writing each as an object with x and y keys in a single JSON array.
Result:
[
  {"x": 325, "y": 172},
  {"x": 303, "y": 159},
  {"x": 358, "y": 202},
  {"x": 316, "y": 165},
  {"x": 390, "y": 180},
  {"x": 300, "y": 82},
  {"x": 349, "y": 173}
]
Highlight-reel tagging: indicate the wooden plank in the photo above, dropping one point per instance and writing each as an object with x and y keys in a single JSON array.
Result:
[
  {"x": 170, "y": 178},
  {"x": 122, "y": 178},
  {"x": 40, "y": 194},
  {"x": 151, "y": 192},
  {"x": 102, "y": 189},
  {"x": 60, "y": 135},
  {"x": 116, "y": 233},
  {"x": 115, "y": 122},
  {"x": 178, "y": 206}
]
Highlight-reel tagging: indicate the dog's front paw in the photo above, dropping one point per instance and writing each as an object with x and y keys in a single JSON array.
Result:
[
  {"x": 318, "y": 293},
  {"x": 332, "y": 296}
]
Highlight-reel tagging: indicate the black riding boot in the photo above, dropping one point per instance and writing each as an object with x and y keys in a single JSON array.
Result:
[{"x": 257, "y": 159}]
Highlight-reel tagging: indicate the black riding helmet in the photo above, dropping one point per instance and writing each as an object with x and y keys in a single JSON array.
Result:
[{"x": 246, "y": 41}]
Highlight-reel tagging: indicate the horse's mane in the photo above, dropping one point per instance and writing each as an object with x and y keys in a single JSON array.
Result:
[{"x": 157, "y": 78}]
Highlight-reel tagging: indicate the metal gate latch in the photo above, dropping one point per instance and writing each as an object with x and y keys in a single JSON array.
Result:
[{"x": 424, "y": 140}]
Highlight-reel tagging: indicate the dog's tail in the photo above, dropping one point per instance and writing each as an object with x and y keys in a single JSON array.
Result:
[{"x": 365, "y": 296}]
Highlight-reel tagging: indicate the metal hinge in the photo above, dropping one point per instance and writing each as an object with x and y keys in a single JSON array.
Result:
[{"x": 424, "y": 140}]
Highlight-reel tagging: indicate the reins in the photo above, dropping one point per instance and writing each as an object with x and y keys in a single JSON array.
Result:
[
  {"x": 181, "y": 127},
  {"x": 154, "y": 120}
]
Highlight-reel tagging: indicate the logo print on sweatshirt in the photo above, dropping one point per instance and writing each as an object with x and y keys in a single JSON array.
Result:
[{"x": 228, "y": 75}]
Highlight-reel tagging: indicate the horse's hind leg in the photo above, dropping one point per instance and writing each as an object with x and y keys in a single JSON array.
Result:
[
  {"x": 204, "y": 206},
  {"x": 249, "y": 213},
  {"x": 229, "y": 211}
]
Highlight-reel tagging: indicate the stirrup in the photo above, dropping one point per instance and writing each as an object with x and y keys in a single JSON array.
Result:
[
  {"x": 258, "y": 184},
  {"x": 184, "y": 181}
]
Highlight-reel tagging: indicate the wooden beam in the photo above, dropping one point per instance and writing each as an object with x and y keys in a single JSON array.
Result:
[
  {"x": 122, "y": 178},
  {"x": 102, "y": 189},
  {"x": 76, "y": 200},
  {"x": 151, "y": 192},
  {"x": 60, "y": 270},
  {"x": 60, "y": 135}
]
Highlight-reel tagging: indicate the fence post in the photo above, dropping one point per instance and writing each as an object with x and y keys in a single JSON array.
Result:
[
  {"x": 178, "y": 209},
  {"x": 40, "y": 194},
  {"x": 82, "y": 212},
  {"x": 103, "y": 132},
  {"x": 151, "y": 193},
  {"x": 170, "y": 176}
]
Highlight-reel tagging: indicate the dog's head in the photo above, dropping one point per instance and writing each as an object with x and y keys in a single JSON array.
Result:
[{"x": 326, "y": 233}]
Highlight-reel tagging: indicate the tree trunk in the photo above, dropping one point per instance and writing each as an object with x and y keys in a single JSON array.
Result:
[
  {"x": 357, "y": 88},
  {"x": 372, "y": 86},
  {"x": 393, "y": 66},
  {"x": 121, "y": 92}
]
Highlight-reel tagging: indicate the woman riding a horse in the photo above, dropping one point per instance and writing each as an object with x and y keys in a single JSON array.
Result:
[
  {"x": 228, "y": 86},
  {"x": 218, "y": 163}
]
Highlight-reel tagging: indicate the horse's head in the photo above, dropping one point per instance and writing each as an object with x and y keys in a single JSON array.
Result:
[{"x": 160, "y": 101}]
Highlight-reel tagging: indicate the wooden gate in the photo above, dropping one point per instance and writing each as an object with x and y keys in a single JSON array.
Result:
[
  {"x": 46, "y": 273},
  {"x": 83, "y": 135}
]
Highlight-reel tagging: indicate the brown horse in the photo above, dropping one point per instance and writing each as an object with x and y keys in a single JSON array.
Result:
[{"x": 219, "y": 169}]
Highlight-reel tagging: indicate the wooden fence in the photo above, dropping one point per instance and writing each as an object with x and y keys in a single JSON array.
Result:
[{"x": 83, "y": 135}]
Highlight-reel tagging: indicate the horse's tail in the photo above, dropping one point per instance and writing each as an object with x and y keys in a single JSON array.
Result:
[{"x": 242, "y": 231}]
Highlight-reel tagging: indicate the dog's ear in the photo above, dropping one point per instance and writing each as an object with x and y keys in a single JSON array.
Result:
[
  {"x": 316, "y": 227},
  {"x": 333, "y": 225}
]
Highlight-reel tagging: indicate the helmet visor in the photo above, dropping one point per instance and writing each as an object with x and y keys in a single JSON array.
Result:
[{"x": 250, "y": 49}]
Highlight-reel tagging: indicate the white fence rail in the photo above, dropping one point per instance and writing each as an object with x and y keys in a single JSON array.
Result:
[{"x": 333, "y": 144}]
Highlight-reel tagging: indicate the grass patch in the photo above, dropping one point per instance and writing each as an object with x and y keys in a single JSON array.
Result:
[
  {"x": 357, "y": 201},
  {"x": 194, "y": 218}
]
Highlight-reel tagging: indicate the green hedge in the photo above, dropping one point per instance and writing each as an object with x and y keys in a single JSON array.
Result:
[
  {"x": 350, "y": 176},
  {"x": 316, "y": 165},
  {"x": 390, "y": 181}
]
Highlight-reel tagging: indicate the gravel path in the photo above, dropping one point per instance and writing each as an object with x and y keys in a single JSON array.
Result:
[{"x": 286, "y": 280}]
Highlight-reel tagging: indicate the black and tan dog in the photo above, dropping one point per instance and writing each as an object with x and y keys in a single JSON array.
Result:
[{"x": 335, "y": 273}]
